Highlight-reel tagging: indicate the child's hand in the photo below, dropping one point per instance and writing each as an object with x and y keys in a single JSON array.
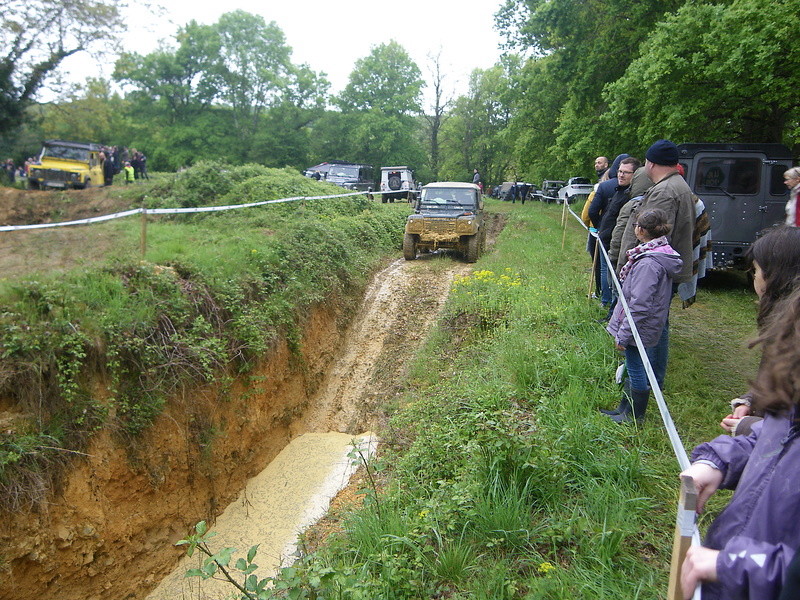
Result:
[
  {"x": 706, "y": 479},
  {"x": 728, "y": 422},
  {"x": 741, "y": 411}
]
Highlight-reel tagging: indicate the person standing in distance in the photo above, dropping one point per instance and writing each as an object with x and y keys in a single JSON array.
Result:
[{"x": 476, "y": 177}]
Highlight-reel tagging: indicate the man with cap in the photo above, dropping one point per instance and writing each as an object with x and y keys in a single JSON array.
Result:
[{"x": 672, "y": 194}]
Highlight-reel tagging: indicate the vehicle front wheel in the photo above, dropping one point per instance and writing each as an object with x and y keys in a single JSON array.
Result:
[
  {"x": 409, "y": 246},
  {"x": 473, "y": 248},
  {"x": 88, "y": 184}
]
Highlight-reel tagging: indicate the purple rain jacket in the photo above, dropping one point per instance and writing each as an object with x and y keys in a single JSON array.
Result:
[
  {"x": 648, "y": 291},
  {"x": 758, "y": 532}
]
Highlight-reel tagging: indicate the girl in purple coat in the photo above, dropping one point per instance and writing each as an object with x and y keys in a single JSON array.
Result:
[
  {"x": 750, "y": 544},
  {"x": 647, "y": 287}
]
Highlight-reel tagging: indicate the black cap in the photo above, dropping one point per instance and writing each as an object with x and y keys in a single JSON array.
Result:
[{"x": 663, "y": 152}]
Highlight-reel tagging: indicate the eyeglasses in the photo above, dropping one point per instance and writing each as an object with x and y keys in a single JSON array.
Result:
[{"x": 625, "y": 172}]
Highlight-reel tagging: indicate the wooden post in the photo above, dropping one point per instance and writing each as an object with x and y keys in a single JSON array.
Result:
[
  {"x": 594, "y": 266},
  {"x": 143, "y": 236},
  {"x": 564, "y": 224},
  {"x": 684, "y": 528}
]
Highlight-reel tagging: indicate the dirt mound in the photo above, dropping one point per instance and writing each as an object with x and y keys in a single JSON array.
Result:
[{"x": 29, "y": 207}]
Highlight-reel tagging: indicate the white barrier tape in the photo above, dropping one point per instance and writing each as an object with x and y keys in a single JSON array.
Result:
[
  {"x": 171, "y": 211},
  {"x": 669, "y": 424},
  {"x": 118, "y": 215}
]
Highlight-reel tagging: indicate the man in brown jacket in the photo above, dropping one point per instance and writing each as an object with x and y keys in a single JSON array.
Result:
[{"x": 673, "y": 195}]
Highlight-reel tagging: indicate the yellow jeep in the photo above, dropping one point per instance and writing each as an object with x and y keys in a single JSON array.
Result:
[{"x": 67, "y": 165}]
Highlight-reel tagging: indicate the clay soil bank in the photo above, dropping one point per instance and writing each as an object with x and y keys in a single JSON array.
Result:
[{"x": 111, "y": 530}]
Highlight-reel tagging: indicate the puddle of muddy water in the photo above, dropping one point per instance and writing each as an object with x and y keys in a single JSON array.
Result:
[{"x": 293, "y": 492}]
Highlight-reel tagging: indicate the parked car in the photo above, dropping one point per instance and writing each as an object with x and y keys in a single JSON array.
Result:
[
  {"x": 66, "y": 165},
  {"x": 577, "y": 188},
  {"x": 351, "y": 176},
  {"x": 397, "y": 183},
  {"x": 448, "y": 214},
  {"x": 549, "y": 190},
  {"x": 742, "y": 188}
]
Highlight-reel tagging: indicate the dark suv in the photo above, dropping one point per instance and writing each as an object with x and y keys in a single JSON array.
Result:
[{"x": 448, "y": 214}]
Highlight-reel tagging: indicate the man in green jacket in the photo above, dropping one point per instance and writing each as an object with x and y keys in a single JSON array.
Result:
[{"x": 672, "y": 194}]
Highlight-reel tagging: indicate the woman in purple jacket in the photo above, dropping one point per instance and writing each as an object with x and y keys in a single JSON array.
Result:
[
  {"x": 750, "y": 544},
  {"x": 647, "y": 287}
]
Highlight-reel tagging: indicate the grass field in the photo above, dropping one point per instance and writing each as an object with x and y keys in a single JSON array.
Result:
[{"x": 501, "y": 478}]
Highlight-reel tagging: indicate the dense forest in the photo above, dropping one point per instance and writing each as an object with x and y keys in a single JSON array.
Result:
[{"x": 577, "y": 79}]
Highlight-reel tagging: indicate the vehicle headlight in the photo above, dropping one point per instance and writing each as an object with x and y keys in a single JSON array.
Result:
[
  {"x": 465, "y": 225},
  {"x": 414, "y": 224}
]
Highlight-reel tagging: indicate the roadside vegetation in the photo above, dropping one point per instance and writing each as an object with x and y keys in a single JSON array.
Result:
[
  {"x": 498, "y": 477},
  {"x": 213, "y": 293}
]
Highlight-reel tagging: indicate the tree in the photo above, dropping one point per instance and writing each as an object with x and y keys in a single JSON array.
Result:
[
  {"x": 387, "y": 80},
  {"x": 253, "y": 67},
  {"x": 702, "y": 76},
  {"x": 438, "y": 113},
  {"x": 378, "y": 107},
  {"x": 476, "y": 134},
  {"x": 227, "y": 90},
  {"x": 179, "y": 82},
  {"x": 583, "y": 46},
  {"x": 92, "y": 113},
  {"x": 37, "y": 35}
]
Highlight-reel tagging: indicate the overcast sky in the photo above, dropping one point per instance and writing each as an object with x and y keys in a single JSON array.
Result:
[{"x": 331, "y": 35}]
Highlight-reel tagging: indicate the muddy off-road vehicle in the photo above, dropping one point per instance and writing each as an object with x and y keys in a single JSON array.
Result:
[
  {"x": 447, "y": 215},
  {"x": 66, "y": 165}
]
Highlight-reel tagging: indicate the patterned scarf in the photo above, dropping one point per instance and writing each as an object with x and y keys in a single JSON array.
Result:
[{"x": 636, "y": 251}]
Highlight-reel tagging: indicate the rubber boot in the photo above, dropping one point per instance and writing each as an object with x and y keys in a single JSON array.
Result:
[
  {"x": 624, "y": 401},
  {"x": 639, "y": 400}
]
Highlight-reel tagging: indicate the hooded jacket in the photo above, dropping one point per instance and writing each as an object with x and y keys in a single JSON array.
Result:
[
  {"x": 759, "y": 531},
  {"x": 648, "y": 292}
]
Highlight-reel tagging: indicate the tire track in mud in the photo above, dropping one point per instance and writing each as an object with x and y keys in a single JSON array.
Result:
[{"x": 399, "y": 308}]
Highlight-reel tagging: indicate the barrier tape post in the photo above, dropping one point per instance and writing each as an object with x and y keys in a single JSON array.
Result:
[
  {"x": 564, "y": 225},
  {"x": 684, "y": 530},
  {"x": 143, "y": 235}
]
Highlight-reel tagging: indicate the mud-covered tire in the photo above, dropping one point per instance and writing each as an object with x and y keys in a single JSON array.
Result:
[
  {"x": 87, "y": 184},
  {"x": 409, "y": 246},
  {"x": 473, "y": 248},
  {"x": 33, "y": 185}
]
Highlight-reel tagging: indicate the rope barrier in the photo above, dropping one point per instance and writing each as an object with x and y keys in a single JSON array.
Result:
[
  {"x": 686, "y": 520},
  {"x": 173, "y": 211}
]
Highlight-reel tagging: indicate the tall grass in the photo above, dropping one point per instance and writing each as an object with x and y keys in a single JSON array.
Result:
[{"x": 502, "y": 464}]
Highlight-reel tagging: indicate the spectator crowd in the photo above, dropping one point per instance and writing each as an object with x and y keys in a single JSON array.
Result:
[{"x": 654, "y": 230}]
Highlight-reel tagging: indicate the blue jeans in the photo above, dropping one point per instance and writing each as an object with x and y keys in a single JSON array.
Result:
[
  {"x": 657, "y": 355},
  {"x": 605, "y": 282},
  {"x": 635, "y": 367}
]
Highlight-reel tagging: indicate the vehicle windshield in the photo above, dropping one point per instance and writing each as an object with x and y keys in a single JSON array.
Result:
[
  {"x": 67, "y": 153},
  {"x": 448, "y": 196},
  {"x": 343, "y": 171}
]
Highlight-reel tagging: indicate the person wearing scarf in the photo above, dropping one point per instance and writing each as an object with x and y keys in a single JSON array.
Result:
[{"x": 647, "y": 288}]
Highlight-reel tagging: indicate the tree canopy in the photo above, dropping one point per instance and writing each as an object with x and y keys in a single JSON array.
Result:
[
  {"x": 579, "y": 79},
  {"x": 36, "y": 36}
]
